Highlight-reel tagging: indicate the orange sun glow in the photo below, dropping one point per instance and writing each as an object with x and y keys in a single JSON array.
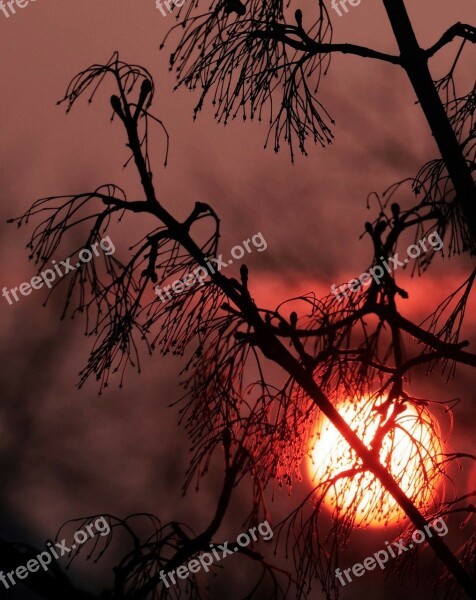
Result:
[{"x": 410, "y": 450}]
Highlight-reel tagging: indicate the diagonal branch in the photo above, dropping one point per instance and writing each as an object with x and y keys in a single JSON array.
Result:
[{"x": 462, "y": 30}]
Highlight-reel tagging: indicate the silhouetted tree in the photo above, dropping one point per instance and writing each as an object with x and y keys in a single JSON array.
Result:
[{"x": 250, "y": 59}]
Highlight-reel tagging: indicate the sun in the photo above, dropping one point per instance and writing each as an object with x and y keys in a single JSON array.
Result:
[{"x": 410, "y": 449}]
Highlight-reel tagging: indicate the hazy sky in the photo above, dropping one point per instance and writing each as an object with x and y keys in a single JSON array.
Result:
[{"x": 67, "y": 453}]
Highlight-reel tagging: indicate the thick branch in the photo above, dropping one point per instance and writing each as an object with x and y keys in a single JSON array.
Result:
[{"x": 415, "y": 62}]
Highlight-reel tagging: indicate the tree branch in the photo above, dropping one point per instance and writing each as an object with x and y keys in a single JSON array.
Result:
[
  {"x": 467, "y": 32},
  {"x": 450, "y": 351},
  {"x": 415, "y": 62},
  {"x": 280, "y": 32}
]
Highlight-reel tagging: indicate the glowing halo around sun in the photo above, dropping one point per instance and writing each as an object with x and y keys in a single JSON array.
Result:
[{"x": 411, "y": 451}]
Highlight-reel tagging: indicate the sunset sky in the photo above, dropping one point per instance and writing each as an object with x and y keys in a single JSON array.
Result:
[{"x": 65, "y": 452}]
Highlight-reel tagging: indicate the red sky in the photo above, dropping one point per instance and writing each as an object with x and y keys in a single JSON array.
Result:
[{"x": 68, "y": 452}]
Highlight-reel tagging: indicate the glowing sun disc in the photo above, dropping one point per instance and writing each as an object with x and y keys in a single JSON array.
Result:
[{"x": 410, "y": 451}]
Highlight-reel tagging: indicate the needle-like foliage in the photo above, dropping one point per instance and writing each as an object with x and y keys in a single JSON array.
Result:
[{"x": 261, "y": 420}]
